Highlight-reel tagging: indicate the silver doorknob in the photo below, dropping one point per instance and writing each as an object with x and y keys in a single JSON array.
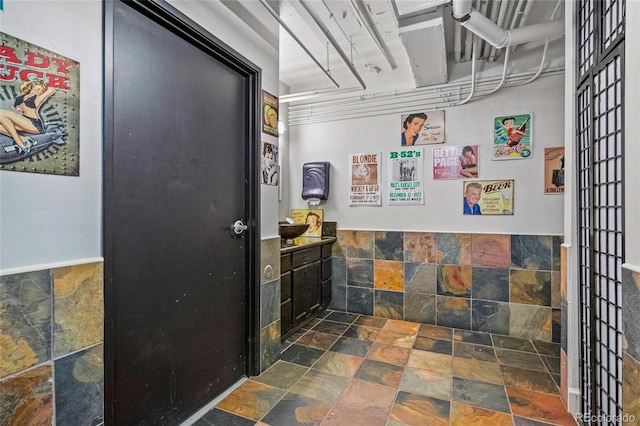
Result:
[{"x": 239, "y": 227}]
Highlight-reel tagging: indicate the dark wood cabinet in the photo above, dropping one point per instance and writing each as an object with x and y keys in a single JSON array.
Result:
[{"x": 305, "y": 283}]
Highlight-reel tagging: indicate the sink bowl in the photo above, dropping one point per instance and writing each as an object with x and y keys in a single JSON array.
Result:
[{"x": 290, "y": 231}]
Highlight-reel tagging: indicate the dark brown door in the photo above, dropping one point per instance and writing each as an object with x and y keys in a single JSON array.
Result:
[{"x": 177, "y": 176}]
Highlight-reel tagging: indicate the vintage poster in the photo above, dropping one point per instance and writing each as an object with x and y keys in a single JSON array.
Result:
[
  {"x": 269, "y": 114},
  {"x": 422, "y": 128},
  {"x": 270, "y": 167},
  {"x": 406, "y": 177},
  {"x": 314, "y": 219},
  {"x": 40, "y": 109},
  {"x": 512, "y": 137},
  {"x": 554, "y": 170},
  {"x": 455, "y": 162},
  {"x": 365, "y": 179},
  {"x": 488, "y": 197}
]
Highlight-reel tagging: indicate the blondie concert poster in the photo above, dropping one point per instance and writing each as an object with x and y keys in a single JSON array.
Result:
[
  {"x": 364, "y": 170},
  {"x": 554, "y": 170},
  {"x": 488, "y": 197},
  {"x": 512, "y": 137},
  {"x": 455, "y": 162},
  {"x": 422, "y": 128},
  {"x": 406, "y": 186},
  {"x": 269, "y": 114},
  {"x": 39, "y": 106}
]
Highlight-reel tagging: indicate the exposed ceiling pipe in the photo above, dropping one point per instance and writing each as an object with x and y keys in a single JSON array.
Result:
[
  {"x": 499, "y": 37},
  {"x": 332, "y": 40},
  {"x": 468, "y": 45},
  {"x": 284, "y": 25},
  {"x": 525, "y": 16},
  {"x": 473, "y": 71},
  {"x": 457, "y": 43},
  {"x": 494, "y": 18},
  {"x": 482, "y": 7},
  {"x": 300, "y": 96},
  {"x": 504, "y": 74},
  {"x": 364, "y": 16},
  {"x": 501, "y": 15}
]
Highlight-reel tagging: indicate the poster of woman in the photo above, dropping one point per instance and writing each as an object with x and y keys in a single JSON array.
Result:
[
  {"x": 270, "y": 168},
  {"x": 455, "y": 162},
  {"x": 422, "y": 128},
  {"x": 313, "y": 218},
  {"x": 39, "y": 109},
  {"x": 365, "y": 179},
  {"x": 554, "y": 170},
  {"x": 512, "y": 137}
]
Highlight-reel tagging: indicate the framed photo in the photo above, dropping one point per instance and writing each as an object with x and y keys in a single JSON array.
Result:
[
  {"x": 554, "y": 170},
  {"x": 488, "y": 197},
  {"x": 512, "y": 137},
  {"x": 269, "y": 114},
  {"x": 270, "y": 164},
  {"x": 314, "y": 218},
  {"x": 422, "y": 128},
  {"x": 456, "y": 162}
]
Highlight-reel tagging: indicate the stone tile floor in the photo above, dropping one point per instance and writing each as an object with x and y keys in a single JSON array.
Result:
[{"x": 353, "y": 370}]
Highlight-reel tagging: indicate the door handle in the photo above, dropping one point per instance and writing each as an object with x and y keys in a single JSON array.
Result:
[{"x": 239, "y": 227}]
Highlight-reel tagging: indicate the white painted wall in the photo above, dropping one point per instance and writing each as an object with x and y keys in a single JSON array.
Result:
[
  {"x": 48, "y": 220},
  {"x": 632, "y": 136},
  {"x": 225, "y": 25},
  {"x": 51, "y": 221},
  {"x": 469, "y": 124}
]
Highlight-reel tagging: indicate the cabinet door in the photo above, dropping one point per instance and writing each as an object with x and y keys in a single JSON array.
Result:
[
  {"x": 299, "y": 292},
  {"x": 314, "y": 289},
  {"x": 286, "y": 318}
]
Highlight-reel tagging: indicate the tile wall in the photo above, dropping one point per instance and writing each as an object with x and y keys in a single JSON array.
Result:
[
  {"x": 51, "y": 337},
  {"x": 631, "y": 344},
  {"x": 496, "y": 283}
]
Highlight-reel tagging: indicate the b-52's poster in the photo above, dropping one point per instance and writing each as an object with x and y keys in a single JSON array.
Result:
[
  {"x": 406, "y": 177},
  {"x": 40, "y": 109}
]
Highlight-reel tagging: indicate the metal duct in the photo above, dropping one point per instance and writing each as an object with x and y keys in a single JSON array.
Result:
[{"x": 499, "y": 37}]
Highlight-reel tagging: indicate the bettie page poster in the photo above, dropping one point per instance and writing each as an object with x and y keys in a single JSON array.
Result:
[
  {"x": 40, "y": 105},
  {"x": 365, "y": 179},
  {"x": 455, "y": 162}
]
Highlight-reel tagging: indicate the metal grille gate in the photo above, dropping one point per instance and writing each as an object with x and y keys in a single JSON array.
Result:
[{"x": 600, "y": 125}]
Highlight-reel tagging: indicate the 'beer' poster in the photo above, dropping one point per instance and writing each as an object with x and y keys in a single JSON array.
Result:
[
  {"x": 512, "y": 137},
  {"x": 40, "y": 104},
  {"x": 554, "y": 170},
  {"x": 365, "y": 179},
  {"x": 488, "y": 197},
  {"x": 406, "y": 177}
]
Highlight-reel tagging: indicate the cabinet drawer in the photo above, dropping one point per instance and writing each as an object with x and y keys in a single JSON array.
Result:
[
  {"x": 326, "y": 250},
  {"x": 305, "y": 256},
  {"x": 285, "y": 286},
  {"x": 285, "y": 262},
  {"x": 326, "y": 269}
]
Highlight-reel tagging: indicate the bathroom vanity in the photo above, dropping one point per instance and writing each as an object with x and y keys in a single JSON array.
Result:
[{"x": 305, "y": 282}]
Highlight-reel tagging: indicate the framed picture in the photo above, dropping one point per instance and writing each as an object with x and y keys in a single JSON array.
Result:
[
  {"x": 455, "y": 162},
  {"x": 314, "y": 218},
  {"x": 364, "y": 179},
  {"x": 270, "y": 164},
  {"x": 405, "y": 171},
  {"x": 488, "y": 197},
  {"x": 422, "y": 128},
  {"x": 269, "y": 114},
  {"x": 554, "y": 170},
  {"x": 512, "y": 137}
]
